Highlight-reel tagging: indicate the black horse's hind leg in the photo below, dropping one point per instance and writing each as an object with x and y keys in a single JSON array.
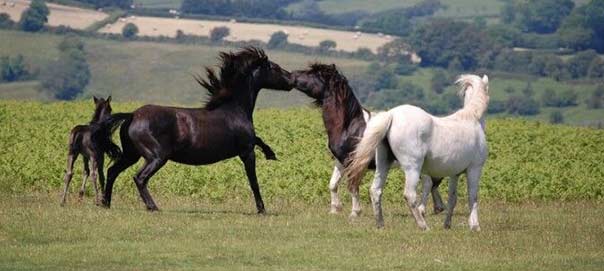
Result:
[
  {"x": 249, "y": 160},
  {"x": 71, "y": 157},
  {"x": 266, "y": 149},
  {"x": 142, "y": 179}
]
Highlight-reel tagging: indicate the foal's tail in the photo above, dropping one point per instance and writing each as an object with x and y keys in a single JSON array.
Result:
[
  {"x": 376, "y": 130},
  {"x": 102, "y": 131}
]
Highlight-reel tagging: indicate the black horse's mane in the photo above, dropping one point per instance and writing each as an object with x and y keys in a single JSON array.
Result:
[
  {"x": 338, "y": 85},
  {"x": 221, "y": 88}
]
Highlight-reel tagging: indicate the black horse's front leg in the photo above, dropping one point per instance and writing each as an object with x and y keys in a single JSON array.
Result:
[{"x": 249, "y": 161}]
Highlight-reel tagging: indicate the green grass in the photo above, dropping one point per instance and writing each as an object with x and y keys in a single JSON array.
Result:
[
  {"x": 154, "y": 72},
  {"x": 37, "y": 234},
  {"x": 528, "y": 160}
]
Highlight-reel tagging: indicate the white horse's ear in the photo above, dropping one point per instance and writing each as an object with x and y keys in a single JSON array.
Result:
[{"x": 485, "y": 79}]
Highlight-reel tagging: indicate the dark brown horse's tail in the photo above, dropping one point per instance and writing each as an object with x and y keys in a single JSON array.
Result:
[{"x": 102, "y": 131}]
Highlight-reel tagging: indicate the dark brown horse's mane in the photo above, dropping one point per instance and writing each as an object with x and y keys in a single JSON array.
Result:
[
  {"x": 337, "y": 84},
  {"x": 233, "y": 67}
]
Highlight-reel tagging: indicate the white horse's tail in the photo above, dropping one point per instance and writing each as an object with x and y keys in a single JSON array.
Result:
[{"x": 376, "y": 130}]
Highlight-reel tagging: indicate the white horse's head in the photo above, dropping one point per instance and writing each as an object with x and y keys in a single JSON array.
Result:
[{"x": 475, "y": 92}]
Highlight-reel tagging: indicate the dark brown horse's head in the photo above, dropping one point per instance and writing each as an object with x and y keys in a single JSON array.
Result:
[
  {"x": 102, "y": 110},
  {"x": 320, "y": 81}
]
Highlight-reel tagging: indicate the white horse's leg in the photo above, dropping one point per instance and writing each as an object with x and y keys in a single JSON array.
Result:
[
  {"x": 439, "y": 206},
  {"x": 356, "y": 204},
  {"x": 412, "y": 175},
  {"x": 336, "y": 205},
  {"x": 425, "y": 193},
  {"x": 473, "y": 181},
  {"x": 452, "y": 200},
  {"x": 382, "y": 166}
]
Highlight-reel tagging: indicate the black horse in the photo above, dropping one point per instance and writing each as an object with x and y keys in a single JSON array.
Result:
[
  {"x": 345, "y": 121},
  {"x": 80, "y": 142},
  {"x": 199, "y": 136}
]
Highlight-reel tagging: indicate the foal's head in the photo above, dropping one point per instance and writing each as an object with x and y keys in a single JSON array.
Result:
[{"x": 102, "y": 109}]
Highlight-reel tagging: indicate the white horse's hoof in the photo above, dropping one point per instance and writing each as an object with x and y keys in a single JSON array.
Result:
[
  {"x": 354, "y": 215},
  {"x": 422, "y": 209},
  {"x": 475, "y": 228},
  {"x": 335, "y": 209}
]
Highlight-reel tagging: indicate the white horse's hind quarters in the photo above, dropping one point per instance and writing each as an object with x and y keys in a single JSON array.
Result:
[{"x": 425, "y": 144}]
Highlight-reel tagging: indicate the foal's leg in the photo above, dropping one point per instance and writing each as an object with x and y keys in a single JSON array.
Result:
[
  {"x": 473, "y": 175},
  {"x": 412, "y": 175},
  {"x": 93, "y": 178},
  {"x": 84, "y": 177},
  {"x": 452, "y": 201},
  {"x": 249, "y": 161},
  {"x": 336, "y": 176},
  {"x": 100, "y": 164},
  {"x": 71, "y": 157},
  {"x": 439, "y": 206},
  {"x": 382, "y": 166},
  {"x": 142, "y": 179}
]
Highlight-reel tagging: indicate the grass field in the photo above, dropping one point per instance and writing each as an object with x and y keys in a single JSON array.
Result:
[
  {"x": 59, "y": 14},
  {"x": 151, "y": 72},
  {"x": 37, "y": 234}
]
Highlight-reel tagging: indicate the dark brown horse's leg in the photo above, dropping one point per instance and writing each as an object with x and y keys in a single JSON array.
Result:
[
  {"x": 71, "y": 157},
  {"x": 142, "y": 179},
  {"x": 84, "y": 177},
  {"x": 122, "y": 164},
  {"x": 249, "y": 160},
  {"x": 439, "y": 206}
]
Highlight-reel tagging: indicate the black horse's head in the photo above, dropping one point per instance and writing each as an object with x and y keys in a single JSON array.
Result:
[
  {"x": 102, "y": 110},
  {"x": 318, "y": 81},
  {"x": 243, "y": 71}
]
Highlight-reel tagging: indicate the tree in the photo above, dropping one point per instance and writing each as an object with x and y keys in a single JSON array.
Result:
[
  {"x": 12, "y": 69},
  {"x": 556, "y": 117},
  {"x": 396, "y": 51},
  {"x": 124, "y": 4},
  {"x": 130, "y": 30},
  {"x": 521, "y": 105},
  {"x": 594, "y": 101},
  {"x": 219, "y": 33},
  {"x": 578, "y": 65},
  {"x": 5, "y": 21},
  {"x": 542, "y": 16},
  {"x": 596, "y": 68},
  {"x": 327, "y": 45},
  {"x": 277, "y": 40},
  {"x": 67, "y": 76},
  {"x": 34, "y": 17},
  {"x": 439, "y": 81}
]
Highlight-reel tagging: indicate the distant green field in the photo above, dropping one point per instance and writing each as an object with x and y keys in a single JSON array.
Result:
[
  {"x": 171, "y": 4},
  {"x": 499, "y": 82},
  {"x": 151, "y": 72}
]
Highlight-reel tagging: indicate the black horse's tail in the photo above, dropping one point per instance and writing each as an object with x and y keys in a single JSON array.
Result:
[{"x": 102, "y": 131}]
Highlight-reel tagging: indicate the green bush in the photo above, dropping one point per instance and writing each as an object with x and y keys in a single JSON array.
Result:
[
  {"x": 527, "y": 159},
  {"x": 34, "y": 18},
  {"x": 130, "y": 30}
]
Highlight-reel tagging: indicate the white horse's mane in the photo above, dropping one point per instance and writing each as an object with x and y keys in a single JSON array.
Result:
[{"x": 475, "y": 91}]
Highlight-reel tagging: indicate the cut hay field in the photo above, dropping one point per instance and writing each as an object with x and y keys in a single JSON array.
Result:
[
  {"x": 154, "y": 26},
  {"x": 73, "y": 17},
  {"x": 151, "y": 72}
]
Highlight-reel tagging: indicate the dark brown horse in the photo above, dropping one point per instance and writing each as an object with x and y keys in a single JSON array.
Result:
[
  {"x": 199, "y": 136},
  {"x": 345, "y": 121},
  {"x": 80, "y": 143}
]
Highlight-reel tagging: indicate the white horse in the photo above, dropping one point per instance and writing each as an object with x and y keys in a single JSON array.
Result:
[{"x": 425, "y": 144}]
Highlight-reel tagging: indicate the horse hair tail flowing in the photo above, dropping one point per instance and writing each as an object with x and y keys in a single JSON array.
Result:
[
  {"x": 376, "y": 131},
  {"x": 101, "y": 134}
]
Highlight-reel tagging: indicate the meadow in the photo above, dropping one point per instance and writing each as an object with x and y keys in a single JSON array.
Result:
[
  {"x": 540, "y": 205},
  {"x": 73, "y": 17},
  {"x": 148, "y": 71}
]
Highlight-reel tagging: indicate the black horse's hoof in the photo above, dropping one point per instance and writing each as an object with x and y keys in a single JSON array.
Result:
[
  {"x": 104, "y": 204},
  {"x": 153, "y": 209},
  {"x": 271, "y": 157}
]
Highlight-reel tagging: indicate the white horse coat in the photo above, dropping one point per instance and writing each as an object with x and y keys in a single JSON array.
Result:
[{"x": 425, "y": 144}]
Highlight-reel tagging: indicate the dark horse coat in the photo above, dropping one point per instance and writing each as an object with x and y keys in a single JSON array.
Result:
[{"x": 198, "y": 136}]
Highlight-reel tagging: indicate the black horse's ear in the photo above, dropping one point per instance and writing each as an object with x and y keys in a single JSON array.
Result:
[
  {"x": 96, "y": 100},
  {"x": 108, "y": 99},
  {"x": 333, "y": 66}
]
